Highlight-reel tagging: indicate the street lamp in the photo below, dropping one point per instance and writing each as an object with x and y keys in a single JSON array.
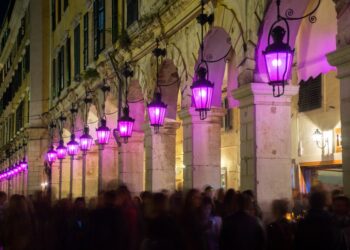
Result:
[
  {"x": 279, "y": 54},
  {"x": 157, "y": 108},
  {"x": 202, "y": 88},
  {"x": 103, "y": 132}
]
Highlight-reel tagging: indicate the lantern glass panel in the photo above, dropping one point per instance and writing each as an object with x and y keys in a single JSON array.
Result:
[
  {"x": 85, "y": 142},
  {"x": 279, "y": 65},
  {"x": 103, "y": 134}
]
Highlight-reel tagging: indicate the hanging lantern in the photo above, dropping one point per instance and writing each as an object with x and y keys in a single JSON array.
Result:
[
  {"x": 125, "y": 125},
  {"x": 278, "y": 58},
  {"x": 103, "y": 133},
  {"x": 86, "y": 140},
  {"x": 202, "y": 93},
  {"x": 24, "y": 164},
  {"x": 51, "y": 155},
  {"x": 72, "y": 146},
  {"x": 156, "y": 111},
  {"x": 61, "y": 150}
]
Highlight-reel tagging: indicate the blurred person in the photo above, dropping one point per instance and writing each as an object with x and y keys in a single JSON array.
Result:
[
  {"x": 79, "y": 225},
  {"x": 18, "y": 225},
  {"x": 130, "y": 214},
  {"x": 162, "y": 230},
  {"x": 341, "y": 216},
  {"x": 257, "y": 210},
  {"x": 219, "y": 202},
  {"x": 280, "y": 233},
  {"x": 209, "y": 191},
  {"x": 229, "y": 204},
  {"x": 316, "y": 230},
  {"x": 107, "y": 227},
  {"x": 210, "y": 224},
  {"x": 242, "y": 230}
]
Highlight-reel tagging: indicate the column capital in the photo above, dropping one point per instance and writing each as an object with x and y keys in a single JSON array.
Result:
[
  {"x": 261, "y": 93},
  {"x": 192, "y": 116},
  {"x": 341, "y": 59}
]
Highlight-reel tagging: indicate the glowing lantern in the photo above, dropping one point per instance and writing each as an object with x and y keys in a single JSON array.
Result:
[
  {"x": 86, "y": 140},
  {"x": 51, "y": 155},
  {"x": 278, "y": 59},
  {"x": 202, "y": 93},
  {"x": 156, "y": 111},
  {"x": 103, "y": 133},
  {"x": 61, "y": 150},
  {"x": 125, "y": 125},
  {"x": 72, "y": 146}
]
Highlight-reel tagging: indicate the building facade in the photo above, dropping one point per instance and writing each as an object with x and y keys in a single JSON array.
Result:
[
  {"x": 250, "y": 139},
  {"x": 24, "y": 92}
]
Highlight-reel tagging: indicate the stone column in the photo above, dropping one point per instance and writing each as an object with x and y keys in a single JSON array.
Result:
[
  {"x": 341, "y": 59},
  {"x": 131, "y": 163},
  {"x": 91, "y": 172},
  {"x": 109, "y": 156},
  {"x": 36, "y": 150},
  {"x": 160, "y": 156},
  {"x": 202, "y": 148},
  {"x": 265, "y": 141}
]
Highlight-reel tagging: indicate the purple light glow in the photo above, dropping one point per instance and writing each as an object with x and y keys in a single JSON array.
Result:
[
  {"x": 279, "y": 66},
  {"x": 202, "y": 93},
  {"x": 86, "y": 140},
  {"x": 156, "y": 111},
  {"x": 51, "y": 155},
  {"x": 125, "y": 125},
  {"x": 103, "y": 133},
  {"x": 61, "y": 151},
  {"x": 72, "y": 146}
]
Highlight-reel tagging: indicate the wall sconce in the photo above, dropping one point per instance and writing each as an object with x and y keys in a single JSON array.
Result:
[{"x": 319, "y": 139}]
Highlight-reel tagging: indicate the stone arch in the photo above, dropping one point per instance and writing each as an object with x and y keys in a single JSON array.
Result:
[{"x": 136, "y": 104}]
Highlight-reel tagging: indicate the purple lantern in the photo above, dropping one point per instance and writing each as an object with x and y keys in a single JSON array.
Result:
[
  {"x": 24, "y": 164},
  {"x": 156, "y": 111},
  {"x": 86, "y": 140},
  {"x": 72, "y": 146},
  {"x": 125, "y": 125},
  {"x": 202, "y": 93},
  {"x": 61, "y": 150},
  {"x": 51, "y": 155},
  {"x": 103, "y": 133},
  {"x": 278, "y": 59}
]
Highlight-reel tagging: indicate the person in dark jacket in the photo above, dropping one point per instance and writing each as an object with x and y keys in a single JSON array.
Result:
[
  {"x": 280, "y": 233},
  {"x": 242, "y": 230},
  {"x": 317, "y": 230}
]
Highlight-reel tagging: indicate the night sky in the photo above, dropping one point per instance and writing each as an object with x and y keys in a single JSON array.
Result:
[{"x": 3, "y": 8}]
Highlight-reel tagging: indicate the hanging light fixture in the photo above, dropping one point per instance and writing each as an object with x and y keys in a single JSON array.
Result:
[
  {"x": 51, "y": 154},
  {"x": 157, "y": 108},
  {"x": 279, "y": 54},
  {"x": 125, "y": 125},
  {"x": 61, "y": 149},
  {"x": 202, "y": 88},
  {"x": 103, "y": 132},
  {"x": 125, "y": 122},
  {"x": 86, "y": 139},
  {"x": 23, "y": 163},
  {"x": 73, "y": 145}
]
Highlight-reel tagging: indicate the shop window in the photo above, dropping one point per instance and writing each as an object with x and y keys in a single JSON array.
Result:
[
  {"x": 310, "y": 94},
  {"x": 53, "y": 90},
  {"x": 60, "y": 71},
  {"x": 68, "y": 61},
  {"x": 59, "y": 10}
]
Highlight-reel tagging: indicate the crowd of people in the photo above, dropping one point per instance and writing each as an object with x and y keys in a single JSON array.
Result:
[{"x": 193, "y": 220}]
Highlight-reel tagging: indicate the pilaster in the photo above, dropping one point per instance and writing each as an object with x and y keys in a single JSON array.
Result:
[
  {"x": 202, "y": 143},
  {"x": 161, "y": 156},
  {"x": 131, "y": 163},
  {"x": 265, "y": 123},
  {"x": 341, "y": 59}
]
